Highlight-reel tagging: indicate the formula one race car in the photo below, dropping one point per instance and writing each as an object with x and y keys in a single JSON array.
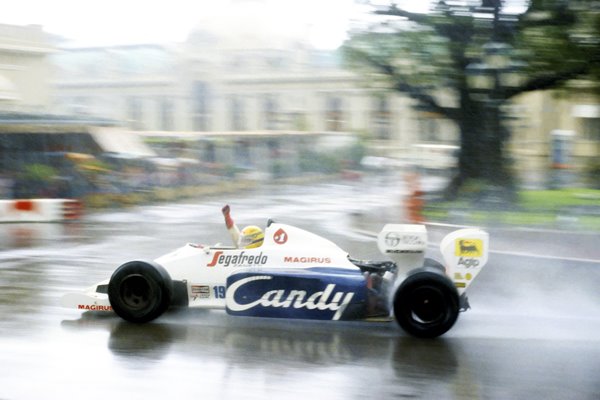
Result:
[{"x": 297, "y": 274}]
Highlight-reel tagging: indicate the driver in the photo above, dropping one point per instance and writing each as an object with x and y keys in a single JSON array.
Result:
[{"x": 249, "y": 238}]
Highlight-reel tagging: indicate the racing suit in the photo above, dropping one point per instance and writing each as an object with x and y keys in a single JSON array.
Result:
[{"x": 234, "y": 231}]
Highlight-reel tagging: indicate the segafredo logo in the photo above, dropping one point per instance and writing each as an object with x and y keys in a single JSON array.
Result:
[
  {"x": 241, "y": 259},
  {"x": 326, "y": 299}
]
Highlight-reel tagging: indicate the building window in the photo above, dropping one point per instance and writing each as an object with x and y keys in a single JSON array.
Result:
[
  {"x": 242, "y": 154},
  {"x": 382, "y": 119},
  {"x": 166, "y": 114},
  {"x": 80, "y": 105},
  {"x": 429, "y": 129},
  {"x": 270, "y": 112},
  {"x": 237, "y": 114},
  {"x": 135, "y": 113},
  {"x": 590, "y": 128},
  {"x": 334, "y": 114},
  {"x": 210, "y": 153},
  {"x": 200, "y": 99}
]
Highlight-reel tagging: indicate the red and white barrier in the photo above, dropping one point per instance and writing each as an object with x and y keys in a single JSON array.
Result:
[{"x": 39, "y": 210}]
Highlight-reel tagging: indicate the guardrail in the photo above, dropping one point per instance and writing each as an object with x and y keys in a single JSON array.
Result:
[{"x": 40, "y": 210}]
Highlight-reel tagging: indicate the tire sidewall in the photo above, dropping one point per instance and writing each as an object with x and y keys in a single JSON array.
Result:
[
  {"x": 432, "y": 279},
  {"x": 159, "y": 282}
]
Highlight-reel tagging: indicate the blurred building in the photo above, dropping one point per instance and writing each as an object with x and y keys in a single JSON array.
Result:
[
  {"x": 556, "y": 130},
  {"x": 25, "y": 69},
  {"x": 139, "y": 86},
  {"x": 242, "y": 75},
  {"x": 239, "y": 77}
]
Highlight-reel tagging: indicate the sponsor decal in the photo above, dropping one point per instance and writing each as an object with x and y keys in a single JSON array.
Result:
[
  {"x": 459, "y": 277},
  {"x": 393, "y": 239},
  {"x": 307, "y": 260},
  {"x": 93, "y": 307},
  {"x": 404, "y": 251},
  {"x": 468, "y": 247},
  {"x": 237, "y": 260},
  {"x": 280, "y": 237},
  {"x": 327, "y": 299},
  {"x": 24, "y": 206},
  {"x": 468, "y": 262},
  {"x": 201, "y": 291}
]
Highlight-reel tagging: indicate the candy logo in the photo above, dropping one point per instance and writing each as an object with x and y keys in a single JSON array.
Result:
[
  {"x": 280, "y": 237},
  {"x": 327, "y": 299}
]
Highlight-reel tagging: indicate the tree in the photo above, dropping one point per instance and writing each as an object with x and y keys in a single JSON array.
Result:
[{"x": 448, "y": 50}]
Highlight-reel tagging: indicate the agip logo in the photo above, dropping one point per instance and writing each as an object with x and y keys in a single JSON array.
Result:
[{"x": 468, "y": 247}]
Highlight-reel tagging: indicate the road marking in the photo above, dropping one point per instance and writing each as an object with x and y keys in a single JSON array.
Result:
[
  {"x": 514, "y": 229},
  {"x": 545, "y": 257}
]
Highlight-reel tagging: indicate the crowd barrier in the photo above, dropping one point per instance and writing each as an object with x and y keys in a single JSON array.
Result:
[{"x": 40, "y": 210}]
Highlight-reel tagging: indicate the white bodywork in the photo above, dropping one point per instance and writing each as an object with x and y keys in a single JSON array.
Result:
[{"x": 205, "y": 269}]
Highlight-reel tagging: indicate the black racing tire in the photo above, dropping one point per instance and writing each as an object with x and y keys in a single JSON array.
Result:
[
  {"x": 431, "y": 263},
  {"x": 426, "y": 303},
  {"x": 140, "y": 291}
]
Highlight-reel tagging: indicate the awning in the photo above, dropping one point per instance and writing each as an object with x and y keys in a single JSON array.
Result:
[
  {"x": 8, "y": 91},
  {"x": 121, "y": 141},
  {"x": 586, "y": 111}
]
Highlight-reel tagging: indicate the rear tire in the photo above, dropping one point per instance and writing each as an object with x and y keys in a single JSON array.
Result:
[
  {"x": 431, "y": 263},
  {"x": 140, "y": 291},
  {"x": 426, "y": 303}
]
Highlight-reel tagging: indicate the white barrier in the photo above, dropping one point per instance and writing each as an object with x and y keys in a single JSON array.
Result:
[{"x": 39, "y": 210}]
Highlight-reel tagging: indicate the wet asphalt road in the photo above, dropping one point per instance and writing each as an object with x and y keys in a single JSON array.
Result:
[{"x": 533, "y": 332}]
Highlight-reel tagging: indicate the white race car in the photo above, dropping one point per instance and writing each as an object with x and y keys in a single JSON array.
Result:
[{"x": 297, "y": 274}]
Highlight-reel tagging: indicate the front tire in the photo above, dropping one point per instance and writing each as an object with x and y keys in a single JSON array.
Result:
[
  {"x": 426, "y": 304},
  {"x": 140, "y": 291}
]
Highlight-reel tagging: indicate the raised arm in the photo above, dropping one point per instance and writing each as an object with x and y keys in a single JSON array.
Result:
[{"x": 234, "y": 231}]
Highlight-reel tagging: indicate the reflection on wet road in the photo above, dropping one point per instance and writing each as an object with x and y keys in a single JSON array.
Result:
[{"x": 532, "y": 332}]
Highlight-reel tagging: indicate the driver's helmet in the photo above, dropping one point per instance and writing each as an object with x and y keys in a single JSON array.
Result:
[{"x": 251, "y": 237}]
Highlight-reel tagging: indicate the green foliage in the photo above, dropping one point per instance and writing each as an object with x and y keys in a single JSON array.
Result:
[
  {"x": 426, "y": 55},
  {"x": 541, "y": 208},
  {"x": 592, "y": 173},
  {"x": 353, "y": 155},
  {"x": 419, "y": 57},
  {"x": 313, "y": 161},
  {"x": 332, "y": 161},
  {"x": 557, "y": 199},
  {"x": 38, "y": 173}
]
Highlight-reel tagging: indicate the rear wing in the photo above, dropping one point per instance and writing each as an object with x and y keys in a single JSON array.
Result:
[
  {"x": 465, "y": 252},
  {"x": 405, "y": 244}
]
